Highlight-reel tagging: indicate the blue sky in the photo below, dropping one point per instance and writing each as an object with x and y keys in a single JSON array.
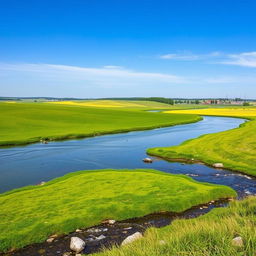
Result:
[{"x": 121, "y": 48}]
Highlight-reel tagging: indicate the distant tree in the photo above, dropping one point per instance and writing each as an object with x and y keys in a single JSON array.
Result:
[
  {"x": 197, "y": 101},
  {"x": 246, "y": 104}
]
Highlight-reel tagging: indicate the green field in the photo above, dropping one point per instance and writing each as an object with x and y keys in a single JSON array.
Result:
[
  {"x": 85, "y": 198},
  {"x": 235, "y": 148},
  {"x": 208, "y": 235},
  {"x": 23, "y": 123}
]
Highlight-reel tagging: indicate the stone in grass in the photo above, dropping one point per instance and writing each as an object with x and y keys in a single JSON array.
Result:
[
  {"x": 238, "y": 241},
  {"x": 110, "y": 222},
  {"x": 77, "y": 244},
  {"x": 132, "y": 238},
  {"x": 218, "y": 165},
  {"x": 50, "y": 240}
]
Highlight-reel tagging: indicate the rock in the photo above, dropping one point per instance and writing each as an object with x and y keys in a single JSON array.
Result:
[
  {"x": 42, "y": 183},
  {"x": 77, "y": 244},
  {"x": 78, "y": 230},
  {"x": 132, "y": 238},
  {"x": 237, "y": 241},
  {"x": 78, "y": 254},
  {"x": 100, "y": 237},
  {"x": 147, "y": 160},
  {"x": 50, "y": 240},
  {"x": 94, "y": 230},
  {"x": 218, "y": 165},
  {"x": 111, "y": 222}
]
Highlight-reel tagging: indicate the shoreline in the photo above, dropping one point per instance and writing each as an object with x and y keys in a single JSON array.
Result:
[
  {"x": 197, "y": 161},
  {"x": 124, "y": 227},
  {"x": 90, "y": 135}
]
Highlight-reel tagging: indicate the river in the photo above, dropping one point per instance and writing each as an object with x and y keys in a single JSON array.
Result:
[{"x": 32, "y": 164}]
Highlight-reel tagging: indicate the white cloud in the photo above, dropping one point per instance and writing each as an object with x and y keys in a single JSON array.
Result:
[
  {"x": 175, "y": 56},
  {"x": 113, "y": 67},
  {"x": 246, "y": 59},
  {"x": 108, "y": 75},
  {"x": 188, "y": 56}
]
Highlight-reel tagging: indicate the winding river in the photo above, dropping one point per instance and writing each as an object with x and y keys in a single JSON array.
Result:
[{"x": 35, "y": 163}]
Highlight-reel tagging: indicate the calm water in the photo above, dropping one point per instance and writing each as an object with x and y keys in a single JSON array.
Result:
[{"x": 20, "y": 166}]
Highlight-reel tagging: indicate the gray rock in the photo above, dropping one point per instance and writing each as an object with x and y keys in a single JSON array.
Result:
[
  {"x": 218, "y": 165},
  {"x": 77, "y": 244},
  {"x": 132, "y": 238},
  {"x": 100, "y": 237},
  {"x": 147, "y": 160},
  {"x": 238, "y": 241},
  {"x": 50, "y": 240},
  {"x": 111, "y": 222}
]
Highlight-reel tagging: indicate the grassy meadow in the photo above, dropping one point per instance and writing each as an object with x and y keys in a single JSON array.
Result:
[
  {"x": 208, "y": 235},
  {"x": 235, "y": 148},
  {"x": 115, "y": 104},
  {"x": 23, "y": 123},
  {"x": 129, "y": 104},
  {"x": 85, "y": 198}
]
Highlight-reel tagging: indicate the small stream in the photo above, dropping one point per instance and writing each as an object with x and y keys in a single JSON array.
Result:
[{"x": 35, "y": 163}]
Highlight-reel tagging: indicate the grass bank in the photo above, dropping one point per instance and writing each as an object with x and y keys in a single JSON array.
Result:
[
  {"x": 24, "y": 123},
  {"x": 85, "y": 198},
  {"x": 235, "y": 148},
  {"x": 208, "y": 235}
]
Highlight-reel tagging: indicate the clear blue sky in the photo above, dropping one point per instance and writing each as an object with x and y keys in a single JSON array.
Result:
[{"x": 115, "y": 48}]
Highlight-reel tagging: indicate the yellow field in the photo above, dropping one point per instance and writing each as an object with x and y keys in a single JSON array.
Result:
[
  {"x": 239, "y": 112},
  {"x": 114, "y": 104}
]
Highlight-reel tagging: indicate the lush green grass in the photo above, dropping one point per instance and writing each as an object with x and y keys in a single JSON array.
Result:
[
  {"x": 208, "y": 235},
  {"x": 23, "y": 123},
  {"x": 235, "y": 148},
  {"x": 85, "y": 198}
]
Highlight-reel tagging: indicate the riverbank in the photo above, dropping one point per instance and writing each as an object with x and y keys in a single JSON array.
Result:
[
  {"x": 25, "y": 123},
  {"x": 67, "y": 203},
  {"x": 234, "y": 148},
  {"x": 211, "y": 235}
]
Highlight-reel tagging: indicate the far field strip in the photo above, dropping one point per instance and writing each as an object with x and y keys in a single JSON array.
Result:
[
  {"x": 235, "y": 148},
  {"x": 24, "y": 123}
]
